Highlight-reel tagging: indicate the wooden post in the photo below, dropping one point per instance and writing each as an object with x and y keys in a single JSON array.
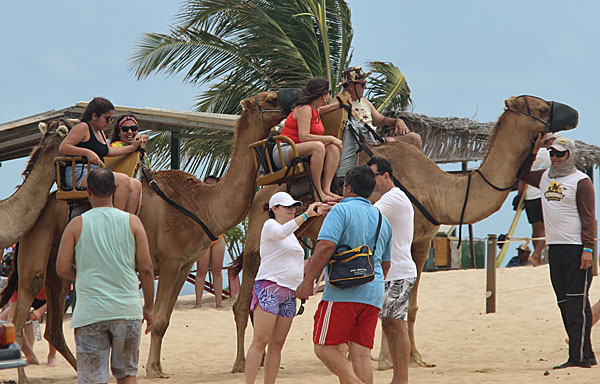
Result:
[
  {"x": 465, "y": 170},
  {"x": 175, "y": 150},
  {"x": 490, "y": 293}
]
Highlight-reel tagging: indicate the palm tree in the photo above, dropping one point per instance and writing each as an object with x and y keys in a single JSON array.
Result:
[{"x": 235, "y": 49}]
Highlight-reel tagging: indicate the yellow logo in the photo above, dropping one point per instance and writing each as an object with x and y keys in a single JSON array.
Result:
[{"x": 554, "y": 192}]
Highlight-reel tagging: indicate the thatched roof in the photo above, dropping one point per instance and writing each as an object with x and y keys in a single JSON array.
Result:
[{"x": 453, "y": 139}]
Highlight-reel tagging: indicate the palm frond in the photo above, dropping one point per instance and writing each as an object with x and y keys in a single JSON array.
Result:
[{"x": 388, "y": 87}]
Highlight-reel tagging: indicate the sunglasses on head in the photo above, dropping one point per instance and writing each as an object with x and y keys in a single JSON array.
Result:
[
  {"x": 558, "y": 154},
  {"x": 109, "y": 119},
  {"x": 126, "y": 129}
]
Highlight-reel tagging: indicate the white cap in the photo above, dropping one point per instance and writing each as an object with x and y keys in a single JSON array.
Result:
[{"x": 284, "y": 199}]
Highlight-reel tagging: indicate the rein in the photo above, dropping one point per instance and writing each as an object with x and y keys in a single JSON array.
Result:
[{"x": 152, "y": 183}]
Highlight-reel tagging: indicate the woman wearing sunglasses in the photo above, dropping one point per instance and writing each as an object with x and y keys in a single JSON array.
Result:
[
  {"x": 126, "y": 132},
  {"x": 87, "y": 139},
  {"x": 280, "y": 272}
]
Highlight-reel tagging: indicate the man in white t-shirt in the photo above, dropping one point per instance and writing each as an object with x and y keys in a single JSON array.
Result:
[{"x": 400, "y": 278}]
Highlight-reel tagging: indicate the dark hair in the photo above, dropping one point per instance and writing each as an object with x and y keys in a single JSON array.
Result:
[
  {"x": 13, "y": 280},
  {"x": 98, "y": 105},
  {"x": 361, "y": 179},
  {"x": 315, "y": 88},
  {"x": 115, "y": 135},
  {"x": 269, "y": 210},
  {"x": 382, "y": 165},
  {"x": 101, "y": 182}
]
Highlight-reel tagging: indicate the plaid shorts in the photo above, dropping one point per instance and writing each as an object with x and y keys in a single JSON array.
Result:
[
  {"x": 397, "y": 297},
  {"x": 94, "y": 343}
]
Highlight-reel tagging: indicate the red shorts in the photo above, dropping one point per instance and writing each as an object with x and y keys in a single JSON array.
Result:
[{"x": 337, "y": 323}]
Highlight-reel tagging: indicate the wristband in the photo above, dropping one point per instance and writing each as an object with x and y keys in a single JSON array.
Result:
[
  {"x": 588, "y": 250},
  {"x": 304, "y": 216}
]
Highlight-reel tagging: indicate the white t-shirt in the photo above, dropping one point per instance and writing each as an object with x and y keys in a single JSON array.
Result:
[
  {"x": 396, "y": 207},
  {"x": 542, "y": 161},
  {"x": 281, "y": 255},
  {"x": 559, "y": 205}
]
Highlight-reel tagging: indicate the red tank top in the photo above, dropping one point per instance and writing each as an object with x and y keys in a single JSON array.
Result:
[{"x": 290, "y": 129}]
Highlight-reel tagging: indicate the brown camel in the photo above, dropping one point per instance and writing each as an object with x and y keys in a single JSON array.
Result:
[
  {"x": 441, "y": 193},
  {"x": 175, "y": 240},
  {"x": 23, "y": 207}
]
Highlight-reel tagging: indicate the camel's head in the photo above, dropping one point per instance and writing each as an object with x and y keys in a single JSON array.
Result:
[
  {"x": 544, "y": 115},
  {"x": 272, "y": 106}
]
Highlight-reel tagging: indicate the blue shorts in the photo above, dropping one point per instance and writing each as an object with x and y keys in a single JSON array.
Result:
[
  {"x": 273, "y": 298},
  {"x": 81, "y": 171}
]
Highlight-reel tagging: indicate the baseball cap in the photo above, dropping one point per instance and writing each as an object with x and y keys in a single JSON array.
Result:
[
  {"x": 353, "y": 74},
  {"x": 563, "y": 144},
  {"x": 283, "y": 199}
]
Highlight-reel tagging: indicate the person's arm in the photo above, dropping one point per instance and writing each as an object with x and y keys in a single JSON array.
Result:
[
  {"x": 118, "y": 151},
  {"x": 143, "y": 264},
  {"x": 379, "y": 120},
  {"x": 65, "y": 260},
  {"x": 319, "y": 260},
  {"x": 78, "y": 134},
  {"x": 586, "y": 206},
  {"x": 36, "y": 314},
  {"x": 276, "y": 231},
  {"x": 304, "y": 115},
  {"x": 385, "y": 265}
]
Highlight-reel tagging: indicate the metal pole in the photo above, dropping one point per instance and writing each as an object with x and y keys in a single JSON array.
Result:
[
  {"x": 175, "y": 151},
  {"x": 490, "y": 293}
]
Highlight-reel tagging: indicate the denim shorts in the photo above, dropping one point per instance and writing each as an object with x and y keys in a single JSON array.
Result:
[
  {"x": 273, "y": 298},
  {"x": 81, "y": 171},
  {"x": 94, "y": 343}
]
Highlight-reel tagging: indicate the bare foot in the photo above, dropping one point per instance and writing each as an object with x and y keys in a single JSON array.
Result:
[
  {"x": 52, "y": 361},
  {"x": 32, "y": 360},
  {"x": 198, "y": 306},
  {"x": 532, "y": 261}
]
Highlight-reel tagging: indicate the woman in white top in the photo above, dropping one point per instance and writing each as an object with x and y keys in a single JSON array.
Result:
[{"x": 281, "y": 271}]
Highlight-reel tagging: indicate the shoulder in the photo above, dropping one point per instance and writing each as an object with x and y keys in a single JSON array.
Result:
[{"x": 74, "y": 227}]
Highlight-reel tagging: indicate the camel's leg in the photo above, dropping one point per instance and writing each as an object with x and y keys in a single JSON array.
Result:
[
  {"x": 420, "y": 252},
  {"x": 241, "y": 308},
  {"x": 170, "y": 281},
  {"x": 384, "y": 361},
  {"x": 56, "y": 291}
]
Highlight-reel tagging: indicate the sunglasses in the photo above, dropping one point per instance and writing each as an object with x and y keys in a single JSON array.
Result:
[
  {"x": 558, "y": 154},
  {"x": 301, "y": 309},
  {"x": 109, "y": 119},
  {"x": 126, "y": 129}
]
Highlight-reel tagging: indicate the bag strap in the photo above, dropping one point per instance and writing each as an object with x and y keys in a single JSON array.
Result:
[{"x": 377, "y": 233}]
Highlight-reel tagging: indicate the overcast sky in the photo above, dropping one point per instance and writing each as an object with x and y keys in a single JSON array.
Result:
[{"x": 461, "y": 58}]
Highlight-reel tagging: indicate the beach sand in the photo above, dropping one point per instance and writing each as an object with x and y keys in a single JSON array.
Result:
[{"x": 515, "y": 345}]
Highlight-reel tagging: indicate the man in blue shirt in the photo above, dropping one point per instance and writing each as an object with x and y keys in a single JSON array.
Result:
[{"x": 349, "y": 316}]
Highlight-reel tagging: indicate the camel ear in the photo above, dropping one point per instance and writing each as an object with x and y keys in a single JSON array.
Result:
[
  {"x": 43, "y": 127},
  {"x": 511, "y": 103},
  {"x": 62, "y": 130},
  {"x": 246, "y": 104}
]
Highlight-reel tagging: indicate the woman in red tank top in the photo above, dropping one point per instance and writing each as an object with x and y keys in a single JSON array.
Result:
[{"x": 303, "y": 125}]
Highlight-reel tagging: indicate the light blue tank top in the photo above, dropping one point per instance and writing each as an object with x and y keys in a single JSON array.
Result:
[{"x": 106, "y": 282}]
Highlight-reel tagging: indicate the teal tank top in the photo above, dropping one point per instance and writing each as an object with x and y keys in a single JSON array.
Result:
[{"x": 106, "y": 282}]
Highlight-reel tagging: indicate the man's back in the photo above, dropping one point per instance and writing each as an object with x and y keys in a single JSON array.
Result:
[{"x": 106, "y": 284}]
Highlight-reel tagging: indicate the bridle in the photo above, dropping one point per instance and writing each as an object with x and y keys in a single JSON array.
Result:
[{"x": 528, "y": 113}]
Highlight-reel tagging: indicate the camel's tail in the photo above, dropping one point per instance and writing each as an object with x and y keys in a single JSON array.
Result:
[{"x": 236, "y": 266}]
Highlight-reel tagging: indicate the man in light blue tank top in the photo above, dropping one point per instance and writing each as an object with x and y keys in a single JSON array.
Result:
[{"x": 101, "y": 250}]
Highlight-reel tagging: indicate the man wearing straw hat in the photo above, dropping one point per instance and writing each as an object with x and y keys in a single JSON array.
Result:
[{"x": 569, "y": 216}]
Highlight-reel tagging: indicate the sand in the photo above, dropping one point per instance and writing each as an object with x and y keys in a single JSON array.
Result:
[{"x": 515, "y": 345}]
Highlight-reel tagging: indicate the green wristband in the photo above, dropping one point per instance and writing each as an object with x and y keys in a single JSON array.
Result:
[{"x": 588, "y": 250}]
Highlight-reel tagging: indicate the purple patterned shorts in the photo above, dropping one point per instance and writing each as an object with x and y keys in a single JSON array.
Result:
[{"x": 273, "y": 298}]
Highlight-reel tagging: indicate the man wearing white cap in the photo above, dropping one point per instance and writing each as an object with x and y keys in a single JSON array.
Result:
[{"x": 569, "y": 216}]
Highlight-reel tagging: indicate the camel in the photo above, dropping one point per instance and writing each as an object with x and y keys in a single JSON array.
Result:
[
  {"x": 20, "y": 211},
  {"x": 441, "y": 193},
  {"x": 176, "y": 241}
]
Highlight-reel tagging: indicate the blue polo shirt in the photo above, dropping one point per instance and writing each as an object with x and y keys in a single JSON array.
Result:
[{"x": 353, "y": 221}]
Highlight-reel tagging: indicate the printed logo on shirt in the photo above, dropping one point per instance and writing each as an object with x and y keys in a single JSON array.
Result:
[{"x": 554, "y": 192}]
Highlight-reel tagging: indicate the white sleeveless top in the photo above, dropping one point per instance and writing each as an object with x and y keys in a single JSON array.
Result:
[{"x": 559, "y": 205}]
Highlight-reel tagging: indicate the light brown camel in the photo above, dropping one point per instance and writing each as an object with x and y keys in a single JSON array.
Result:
[
  {"x": 20, "y": 211},
  {"x": 175, "y": 240},
  {"x": 441, "y": 193}
]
